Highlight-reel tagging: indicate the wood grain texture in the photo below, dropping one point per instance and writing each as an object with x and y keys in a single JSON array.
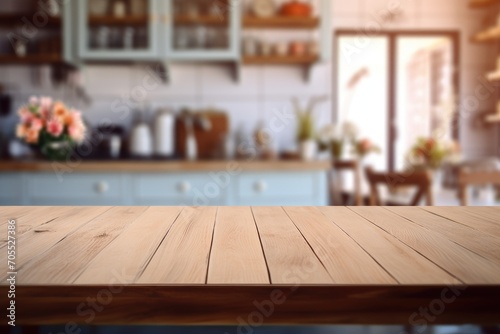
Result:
[
  {"x": 169, "y": 166},
  {"x": 40, "y": 239},
  {"x": 64, "y": 262},
  {"x": 236, "y": 256},
  {"x": 132, "y": 250},
  {"x": 404, "y": 264},
  {"x": 481, "y": 243},
  {"x": 289, "y": 257},
  {"x": 467, "y": 217},
  {"x": 463, "y": 264},
  {"x": 197, "y": 265},
  {"x": 182, "y": 257},
  {"x": 345, "y": 261},
  {"x": 226, "y": 305}
]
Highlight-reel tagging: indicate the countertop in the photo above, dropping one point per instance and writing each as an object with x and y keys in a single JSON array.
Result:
[
  {"x": 164, "y": 166},
  {"x": 291, "y": 265}
]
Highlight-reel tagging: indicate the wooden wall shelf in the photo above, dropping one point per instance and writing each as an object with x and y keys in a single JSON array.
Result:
[
  {"x": 11, "y": 20},
  {"x": 281, "y": 22},
  {"x": 280, "y": 60},
  {"x": 202, "y": 20},
  {"x": 482, "y": 3},
  {"x": 31, "y": 59},
  {"x": 495, "y": 118},
  {"x": 488, "y": 35},
  {"x": 134, "y": 20}
]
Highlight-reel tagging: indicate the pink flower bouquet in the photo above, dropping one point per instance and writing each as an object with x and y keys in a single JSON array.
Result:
[{"x": 51, "y": 126}]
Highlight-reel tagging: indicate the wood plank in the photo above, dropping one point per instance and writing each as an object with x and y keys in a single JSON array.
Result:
[
  {"x": 280, "y": 60},
  {"x": 405, "y": 264},
  {"x": 474, "y": 240},
  {"x": 289, "y": 257},
  {"x": 32, "y": 59},
  {"x": 236, "y": 256},
  {"x": 491, "y": 213},
  {"x": 281, "y": 22},
  {"x": 169, "y": 166},
  {"x": 218, "y": 305},
  {"x": 466, "y": 217},
  {"x": 14, "y": 212},
  {"x": 126, "y": 257},
  {"x": 182, "y": 257},
  {"x": 36, "y": 218},
  {"x": 41, "y": 239},
  {"x": 64, "y": 262},
  {"x": 345, "y": 261},
  {"x": 465, "y": 265}
]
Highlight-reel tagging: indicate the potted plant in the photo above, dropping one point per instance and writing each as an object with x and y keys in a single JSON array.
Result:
[
  {"x": 431, "y": 154},
  {"x": 50, "y": 126},
  {"x": 331, "y": 140},
  {"x": 306, "y": 133},
  {"x": 363, "y": 147}
]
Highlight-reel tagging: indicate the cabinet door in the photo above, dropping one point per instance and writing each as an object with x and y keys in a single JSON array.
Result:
[
  {"x": 282, "y": 189},
  {"x": 118, "y": 29},
  {"x": 11, "y": 189},
  {"x": 201, "y": 29},
  {"x": 76, "y": 189},
  {"x": 189, "y": 189}
]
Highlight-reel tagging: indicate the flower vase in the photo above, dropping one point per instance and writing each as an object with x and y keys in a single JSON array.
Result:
[
  {"x": 57, "y": 151},
  {"x": 308, "y": 149},
  {"x": 337, "y": 150},
  {"x": 437, "y": 179}
]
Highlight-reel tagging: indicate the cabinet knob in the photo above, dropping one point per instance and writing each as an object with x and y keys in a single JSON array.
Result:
[
  {"x": 102, "y": 187},
  {"x": 184, "y": 187},
  {"x": 260, "y": 186}
]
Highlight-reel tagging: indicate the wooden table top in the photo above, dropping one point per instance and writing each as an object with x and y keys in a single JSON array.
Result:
[
  {"x": 141, "y": 166},
  {"x": 215, "y": 265}
]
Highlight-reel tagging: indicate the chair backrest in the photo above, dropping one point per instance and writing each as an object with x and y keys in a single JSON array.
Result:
[
  {"x": 421, "y": 180},
  {"x": 468, "y": 177}
]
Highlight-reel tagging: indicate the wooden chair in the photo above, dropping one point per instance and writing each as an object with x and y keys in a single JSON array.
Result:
[
  {"x": 421, "y": 180},
  {"x": 468, "y": 177}
]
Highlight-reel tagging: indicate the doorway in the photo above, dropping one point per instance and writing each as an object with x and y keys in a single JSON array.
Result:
[{"x": 397, "y": 86}]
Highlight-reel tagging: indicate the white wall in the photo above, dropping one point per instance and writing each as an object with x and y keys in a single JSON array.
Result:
[{"x": 265, "y": 89}]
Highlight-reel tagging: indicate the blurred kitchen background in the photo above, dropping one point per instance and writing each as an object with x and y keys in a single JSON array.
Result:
[{"x": 251, "y": 102}]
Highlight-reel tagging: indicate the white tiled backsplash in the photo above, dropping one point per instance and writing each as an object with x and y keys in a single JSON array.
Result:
[{"x": 264, "y": 89}]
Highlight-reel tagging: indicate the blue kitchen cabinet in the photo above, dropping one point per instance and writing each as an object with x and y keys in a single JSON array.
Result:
[
  {"x": 109, "y": 31},
  {"x": 290, "y": 188},
  {"x": 163, "y": 30},
  {"x": 201, "y": 30}
]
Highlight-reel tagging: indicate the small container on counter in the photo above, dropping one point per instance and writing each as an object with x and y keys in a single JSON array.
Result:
[
  {"x": 164, "y": 134},
  {"x": 298, "y": 48}
]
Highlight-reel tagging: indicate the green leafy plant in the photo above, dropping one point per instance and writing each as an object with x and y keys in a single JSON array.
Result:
[{"x": 305, "y": 119}]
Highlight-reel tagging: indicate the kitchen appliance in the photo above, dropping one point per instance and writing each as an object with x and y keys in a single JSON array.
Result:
[
  {"x": 141, "y": 139},
  {"x": 111, "y": 145},
  {"x": 164, "y": 134},
  {"x": 200, "y": 132}
]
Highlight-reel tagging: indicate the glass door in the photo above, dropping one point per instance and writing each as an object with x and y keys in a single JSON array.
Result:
[
  {"x": 363, "y": 90},
  {"x": 202, "y": 29},
  {"x": 397, "y": 87},
  {"x": 425, "y": 91},
  {"x": 118, "y": 29}
]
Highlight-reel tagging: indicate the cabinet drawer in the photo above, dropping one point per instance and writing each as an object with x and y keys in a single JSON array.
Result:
[
  {"x": 11, "y": 187},
  {"x": 277, "y": 185},
  {"x": 175, "y": 189},
  {"x": 78, "y": 186}
]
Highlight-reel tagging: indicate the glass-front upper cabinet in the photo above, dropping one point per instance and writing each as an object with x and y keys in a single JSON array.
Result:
[
  {"x": 201, "y": 29},
  {"x": 119, "y": 29}
]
